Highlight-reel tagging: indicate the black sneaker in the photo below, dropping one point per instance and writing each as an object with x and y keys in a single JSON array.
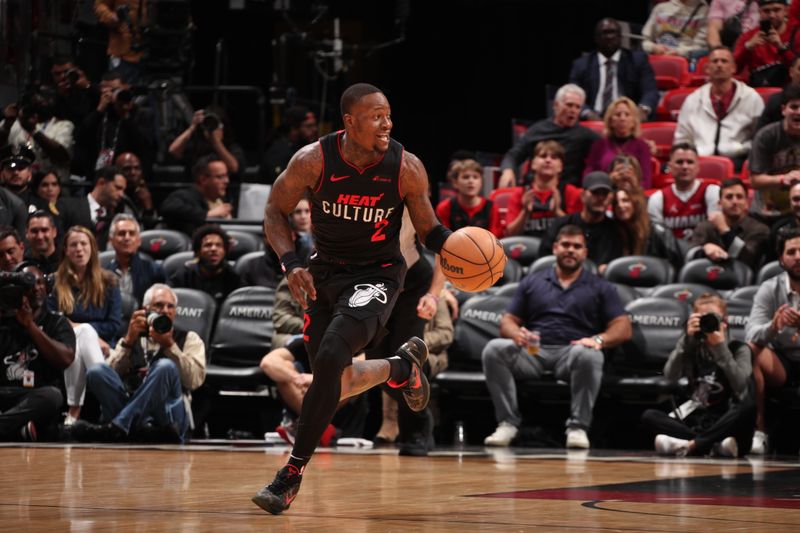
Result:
[
  {"x": 416, "y": 390},
  {"x": 279, "y": 495},
  {"x": 84, "y": 431}
]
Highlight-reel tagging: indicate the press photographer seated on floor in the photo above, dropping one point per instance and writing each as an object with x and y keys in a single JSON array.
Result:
[{"x": 720, "y": 413}]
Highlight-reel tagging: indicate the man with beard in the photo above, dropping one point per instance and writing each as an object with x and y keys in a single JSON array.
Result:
[
  {"x": 209, "y": 271},
  {"x": 138, "y": 201},
  {"x": 37, "y": 345},
  {"x": 612, "y": 72},
  {"x": 94, "y": 211},
  {"x": 41, "y": 236},
  {"x": 601, "y": 232},
  {"x": 559, "y": 319},
  {"x": 36, "y": 125},
  {"x": 772, "y": 330}
]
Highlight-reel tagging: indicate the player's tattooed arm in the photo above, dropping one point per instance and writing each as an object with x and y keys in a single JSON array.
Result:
[{"x": 414, "y": 189}]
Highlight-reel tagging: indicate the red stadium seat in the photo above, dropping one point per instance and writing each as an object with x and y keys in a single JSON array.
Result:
[
  {"x": 766, "y": 92},
  {"x": 596, "y": 126},
  {"x": 698, "y": 77},
  {"x": 501, "y": 198},
  {"x": 671, "y": 103},
  {"x": 671, "y": 71},
  {"x": 662, "y": 134},
  {"x": 744, "y": 175},
  {"x": 715, "y": 167}
]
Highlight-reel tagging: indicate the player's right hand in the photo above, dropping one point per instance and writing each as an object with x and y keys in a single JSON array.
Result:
[{"x": 301, "y": 284}]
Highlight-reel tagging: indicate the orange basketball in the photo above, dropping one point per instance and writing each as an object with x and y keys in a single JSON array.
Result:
[{"x": 472, "y": 259}]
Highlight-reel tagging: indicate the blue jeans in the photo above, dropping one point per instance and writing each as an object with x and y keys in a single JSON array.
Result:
[{"x": 157, "y": 401}]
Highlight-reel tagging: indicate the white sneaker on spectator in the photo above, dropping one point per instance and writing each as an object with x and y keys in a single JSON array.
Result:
[
  {"x": 69, "y": 420},
  {"x": 502, "y": 436},
  {"x": 666, "y": 445},
  {"x": 759, "y": 446},
  {"x": 727, "y": 448},
  {"x": 577, "y": 438}
]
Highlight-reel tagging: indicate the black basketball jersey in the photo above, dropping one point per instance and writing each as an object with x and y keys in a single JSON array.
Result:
[
  {"x": 460, "y": 218},
  {"x": 356, "y": 213}
]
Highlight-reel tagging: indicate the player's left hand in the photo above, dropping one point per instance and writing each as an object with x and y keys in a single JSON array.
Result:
[{"x": 301, "y": 284}]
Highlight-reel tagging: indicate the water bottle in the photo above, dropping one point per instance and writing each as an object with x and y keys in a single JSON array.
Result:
[{"x": 459, "y": 436}]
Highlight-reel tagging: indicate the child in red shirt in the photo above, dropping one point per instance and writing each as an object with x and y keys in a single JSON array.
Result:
[{"x": 468, "y": 207}]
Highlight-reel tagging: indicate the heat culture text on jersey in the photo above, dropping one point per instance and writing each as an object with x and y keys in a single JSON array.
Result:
[{"x": 359, "y": 208}]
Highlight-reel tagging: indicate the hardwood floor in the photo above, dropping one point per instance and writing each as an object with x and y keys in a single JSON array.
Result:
[{"x": 208, "y": 488}]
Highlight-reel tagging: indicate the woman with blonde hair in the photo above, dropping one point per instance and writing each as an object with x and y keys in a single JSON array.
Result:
[
  {"x": 89, "y": 297},
  {"x": 622, "y": 134}
]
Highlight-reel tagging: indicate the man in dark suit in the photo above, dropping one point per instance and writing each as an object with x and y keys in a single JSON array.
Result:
[
  {"x": 629, "y": 71},
  {"x": 94, "y": 211}
]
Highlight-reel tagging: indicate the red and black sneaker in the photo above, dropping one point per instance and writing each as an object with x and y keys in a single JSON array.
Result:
[
  {"x": 416, "y": 390},
  {"x": 279, "y": 495}
]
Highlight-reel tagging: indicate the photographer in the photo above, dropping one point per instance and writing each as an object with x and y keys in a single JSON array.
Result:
[
  {"x": 209, "y": 133},
  {"x": 145, "y": 387},
  {"x": 76, "y": 94},
  {"x": 37, "y": 345},
  {"x": 110, "y": 129},
  {"x": 720, "y": 413},
  {"x": 124, "y": 19}
]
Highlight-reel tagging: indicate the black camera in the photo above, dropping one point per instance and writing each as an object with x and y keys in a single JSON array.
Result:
[
  {"x": 160, "y": 323},
  {"x": 210, "y": 121},
  {"x": 12, "y": 288},
  {"x": 710, "y": 322},
  {"x": 123, "y": 96},
  {"x": 765, "y": 26},
  {"x": 72, "y": 75},
  {"x": 124, "y": 15}
]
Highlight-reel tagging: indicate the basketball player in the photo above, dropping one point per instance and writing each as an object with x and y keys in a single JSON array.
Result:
[{"x": 359, "y": 182}]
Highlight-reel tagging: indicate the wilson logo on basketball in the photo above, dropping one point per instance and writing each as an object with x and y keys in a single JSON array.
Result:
[
  {"x": 451, "y": 268},
  {"x": 636, "y": 269},
  {"x": 366, "y": 292}
]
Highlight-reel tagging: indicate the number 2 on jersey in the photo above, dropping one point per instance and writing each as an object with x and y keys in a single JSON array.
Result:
[{"x": 379, "y": 227}]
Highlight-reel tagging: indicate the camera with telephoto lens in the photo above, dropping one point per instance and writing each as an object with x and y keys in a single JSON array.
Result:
[
  {"x": 210, "y": 121},
  {"x": 160, "y": 323},
  {"x": 709, "y": 323},
  {"x": 12, "y": 288}
]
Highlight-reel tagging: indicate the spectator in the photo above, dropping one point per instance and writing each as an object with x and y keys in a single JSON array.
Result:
[
  {"x": 298, "y": 128},
  {"x": 15, "y": 174},
  {"x": 622, "y": 135},
  {"x": 727, "y": 19},
  {"x": 791, "y": 220},
  {"x": 731, "y": 233},
  {"x": 124, "y": 20},
  {"x": 76, "y": 95},
  {"x": 42, "y": 235},
  {"x": 37, "y": 345},
  {"x": 563, "y": 128},
  {"x": 137, "y": 200},
  {"x": 468, "y": 207},
  {"x": 763, "y": 53},
  {"x": 773, "y": 328},
  {"x": 47, "y": 189},
  {"x": 12, "y": 249},
  {"x": 613, "y": 72},
  {"x": 676, "y": 27},
  {"x": 576, "y": 314},
  {"x": 89, "y": 297},
  {"x": 209, "y": 134},
  {"x": 110, "y": 129},
  {"x": 287, "y": 316},
  {"x": 38, "y": 125},
  {"x": 720, "y": 117},
  {"x": 602, "y": 233},
  {"x": 625, "y": 172},
  {"x": 94, "y": 211},
  {"x": 772, "y": 111},
  {"x": 639, "y": 235},
  {"x": 268, "y": 271},
  {"x": 531, "y": 211},
  {"x": 135, "y": 271},
  {"x": 775, "y": 160},
  {"x": 687, "y": 202},
  {"x": 187, "y": 209},
  {"x": 209, "y": 271},
  {"x": 719, "y": 416},
  {"x": 146, "y": 385}
]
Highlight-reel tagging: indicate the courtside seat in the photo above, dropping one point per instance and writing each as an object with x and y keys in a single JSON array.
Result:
[
  {"x": 657, "y": 326},
  {"x": 243, "y": 242},
  {"x": 744, "y": 293},
  {"x": 196, "y": 312},
  {"x": 512, "y": 272},
  {"x": 684, "y": 292},
  {"x": 129, "y": 305},
  {"x": 522, "y": 248},
  {"x": 176, "y": 263},
  {"x": 106, "y": 257},
  {"x": 627, "y": 293},
  {"x": 161, "y": 243},
  {"x": 507, "y": 290},
  {"x": 769, "y": 270},
  {"x": 478, "y": 323},
  {"x": 738, "y": 316},
  {"x": 639, "y": 271},
  {"x": 723, "y": 276}
]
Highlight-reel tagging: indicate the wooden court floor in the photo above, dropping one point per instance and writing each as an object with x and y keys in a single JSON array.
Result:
[{"x": 208, "y": 488}]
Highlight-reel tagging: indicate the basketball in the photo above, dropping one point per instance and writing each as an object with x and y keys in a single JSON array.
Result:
[{"x": 472, "y": 259}]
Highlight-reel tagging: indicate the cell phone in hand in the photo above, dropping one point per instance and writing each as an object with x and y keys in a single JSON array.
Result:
[{"x": 765, "y": 26}]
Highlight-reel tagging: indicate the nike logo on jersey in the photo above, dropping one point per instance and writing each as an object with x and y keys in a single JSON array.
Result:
[{"x": 334, "y": 177}]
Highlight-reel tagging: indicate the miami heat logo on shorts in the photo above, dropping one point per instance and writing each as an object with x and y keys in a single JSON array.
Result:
[{"x": 366, "y": 292}]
